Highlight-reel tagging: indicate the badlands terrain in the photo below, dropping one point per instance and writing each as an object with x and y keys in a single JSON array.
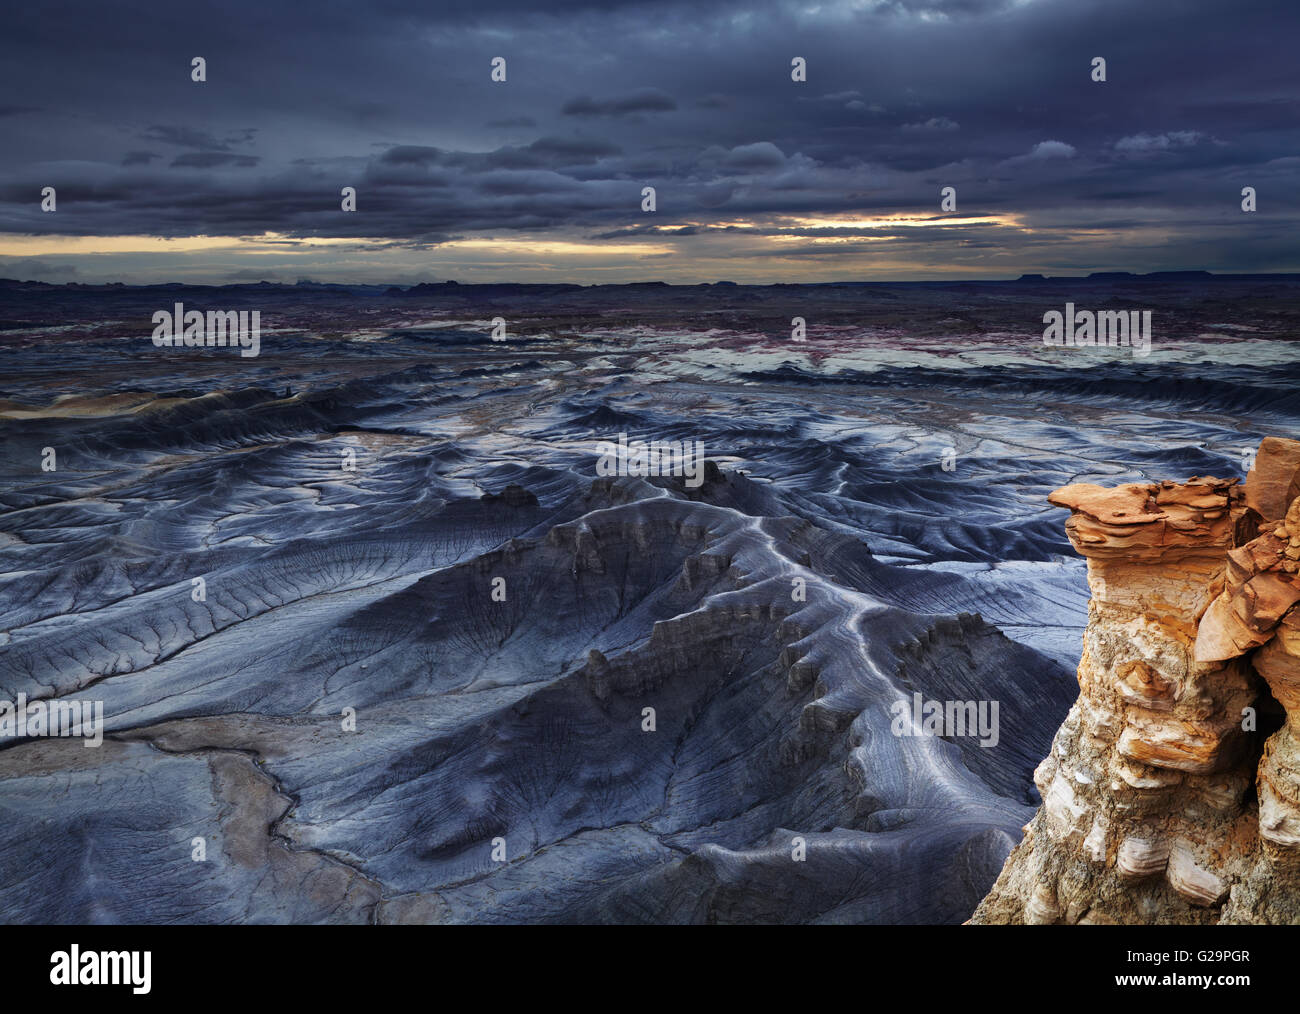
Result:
[{"x": 375, "y": 642}]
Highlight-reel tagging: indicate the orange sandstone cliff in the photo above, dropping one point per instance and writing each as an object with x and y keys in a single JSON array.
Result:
[{"x": 1172, "y": 790}]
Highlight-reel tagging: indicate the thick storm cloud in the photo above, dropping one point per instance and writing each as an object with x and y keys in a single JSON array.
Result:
[{"x": 757, "y": 177}]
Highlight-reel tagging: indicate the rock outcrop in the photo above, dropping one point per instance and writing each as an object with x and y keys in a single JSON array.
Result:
[{"x": 1170, "y": 794}]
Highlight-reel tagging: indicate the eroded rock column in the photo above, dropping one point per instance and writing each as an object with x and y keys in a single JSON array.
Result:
[
  {"x": 1143, "y": 791},
  {"x": 1255, "y": 613}
]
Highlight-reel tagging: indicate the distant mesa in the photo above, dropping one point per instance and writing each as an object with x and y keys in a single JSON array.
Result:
[{"x": 1117, "y": 276}]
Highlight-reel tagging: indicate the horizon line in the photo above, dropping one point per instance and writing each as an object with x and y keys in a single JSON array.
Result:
[{"x": 1186, "y": 274}]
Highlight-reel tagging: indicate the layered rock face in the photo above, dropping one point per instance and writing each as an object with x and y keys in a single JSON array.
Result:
[{"x": 1170, "y": 794}]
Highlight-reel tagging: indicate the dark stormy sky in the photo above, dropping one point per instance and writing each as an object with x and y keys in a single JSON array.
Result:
[{"x": 759, "y": 178}]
